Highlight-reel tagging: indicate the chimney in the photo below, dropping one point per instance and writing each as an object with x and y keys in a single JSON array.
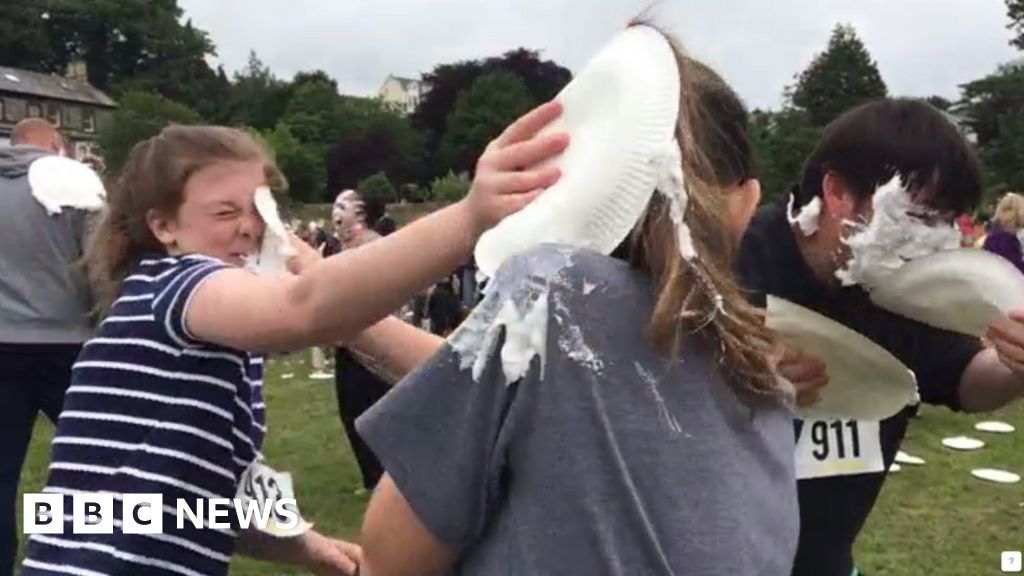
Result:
[{"x": 77, "y": 70}]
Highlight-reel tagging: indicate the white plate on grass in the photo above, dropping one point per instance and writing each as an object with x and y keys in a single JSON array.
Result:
[
  {"x": 963, "y": 443},
  {"x": 904, "y": 458},
  {"x": 994, "y": 427},
  {"x": 997, "y": 476}
]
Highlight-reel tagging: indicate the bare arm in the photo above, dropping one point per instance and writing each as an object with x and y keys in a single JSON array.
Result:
[
  {"x": 988, "y": 384},
  {"x": 397, "y": 346},
  {"x": 312, "y": 551},
  {"x": 995, "y": 376},
  {"x": 395, "y": 542},
  {"x": 336, "y": 298}
]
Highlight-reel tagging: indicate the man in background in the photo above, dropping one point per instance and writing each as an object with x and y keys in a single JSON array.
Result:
[{"x": 45, "y": 309}]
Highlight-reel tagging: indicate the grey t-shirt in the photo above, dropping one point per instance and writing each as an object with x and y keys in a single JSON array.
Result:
[{"x": 614, "y": 461}]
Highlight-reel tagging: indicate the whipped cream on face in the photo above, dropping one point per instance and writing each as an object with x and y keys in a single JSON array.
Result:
[{"x": 900, "y": 230}]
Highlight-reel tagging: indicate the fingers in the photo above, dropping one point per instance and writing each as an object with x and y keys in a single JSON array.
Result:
[
  {"x": 806, "y": 398},
  {"x": 529, "y": 124},
  {"x": 528, "y": 153},
  {"x": 518, "y": 182}
]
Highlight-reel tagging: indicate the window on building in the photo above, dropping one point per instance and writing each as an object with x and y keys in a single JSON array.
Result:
[
  {"x": 88, "y": 121},
  {"x": 35, "y": 111},
  {"x": 53, "y": 114},
  {"x": 15, "y": 109}
]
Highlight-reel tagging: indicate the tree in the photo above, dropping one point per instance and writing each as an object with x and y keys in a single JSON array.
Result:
[
  {"x": 986, "y": 100},
  {"x": 258, "y": 98},
  {"x": 127, "y": 46},
  {"x": 387, "y": 143},
  {"x": 939, "y": 102},
  {"x": 302, "y": 167},
  {"x": 481, "y": 113},
  {"x": 378, "y": 186},
  {"x": 782, "y": 141},
  {"x": 1015, "y": 10},
  {"x": 841, "y": 77},
  {"x": 993, "y": 109},
  {"x": 543, "y": 80},
  {"x": 141, "y": 115},
  {"x": 310, "y": 113},
  {"x": 24, "y": 38},
  {"x": 449, "y": 189}
]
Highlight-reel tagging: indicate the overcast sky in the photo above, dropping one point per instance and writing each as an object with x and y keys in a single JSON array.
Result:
[{"x": 922, "y": 47}]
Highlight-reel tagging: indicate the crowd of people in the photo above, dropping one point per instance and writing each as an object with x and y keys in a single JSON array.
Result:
[{"x": 651, "y": 431}]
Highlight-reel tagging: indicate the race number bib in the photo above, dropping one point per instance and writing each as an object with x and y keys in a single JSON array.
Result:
[
  {"x": 838, "y": 448},
  {"x": 266, "y": 487}
]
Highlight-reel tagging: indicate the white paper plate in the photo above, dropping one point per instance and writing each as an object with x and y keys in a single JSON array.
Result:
[
  {"x": 964, "y": 443},
  {"x": 276, "y": 247},
  {"x": 59, "y": 182},
  {"x": 904, "y": 458},
  {"x": 321, "y": 376},
  {"x": 866, "y": 382},
  {"x": 287, "y": 376},
  {"x": 620, "y": 112},
  {"x": 997, "y": 476},
  {"x": 958, "y": 290},
  {"x": 995, "y": 427}
]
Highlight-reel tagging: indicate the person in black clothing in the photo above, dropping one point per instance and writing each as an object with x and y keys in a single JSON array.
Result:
[
  {"x": 861, "y": 149},
  {"x": 357, "y": 386}
]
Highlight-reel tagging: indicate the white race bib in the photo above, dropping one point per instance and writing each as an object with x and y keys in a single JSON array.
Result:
[
  {"x": 838, "y": 448},
  {"x": 265, "y": 486}
]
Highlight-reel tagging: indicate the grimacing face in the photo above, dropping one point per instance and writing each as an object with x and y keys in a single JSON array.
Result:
[{"x": 218, "y": 216}]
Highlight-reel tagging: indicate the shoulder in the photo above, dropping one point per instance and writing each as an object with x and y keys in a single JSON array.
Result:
[{"x": 560, "y": 266}]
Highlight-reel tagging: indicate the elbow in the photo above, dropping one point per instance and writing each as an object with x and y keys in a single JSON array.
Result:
[{"x": 311, "y": 319}]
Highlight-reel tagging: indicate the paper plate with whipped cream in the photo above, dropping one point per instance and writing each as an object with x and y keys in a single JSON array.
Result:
[
  {"x": 620, "y": 112},
  {"x": 958, "y": 290}
]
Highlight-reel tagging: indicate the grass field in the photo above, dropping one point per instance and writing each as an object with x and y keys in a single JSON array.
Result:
[{"x": 935, "y": 520}]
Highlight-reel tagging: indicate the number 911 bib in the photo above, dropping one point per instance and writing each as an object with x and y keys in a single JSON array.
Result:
[{"x": 835, "y": 447}]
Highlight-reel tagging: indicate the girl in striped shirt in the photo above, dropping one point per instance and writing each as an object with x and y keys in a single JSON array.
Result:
[{"x": 167, "y": 398}]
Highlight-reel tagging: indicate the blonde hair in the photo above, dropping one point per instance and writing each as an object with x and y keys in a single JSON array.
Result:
[
  {"x": 154, "y": 178},
  {"x": 1010, "y": 212},
  {"x": 685, "y": 297}
]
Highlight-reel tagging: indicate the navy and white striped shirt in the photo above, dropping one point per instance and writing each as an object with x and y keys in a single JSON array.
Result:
[{"x": 151, "y": 409}]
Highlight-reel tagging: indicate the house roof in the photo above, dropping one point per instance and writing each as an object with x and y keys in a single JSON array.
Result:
[
  {"x": 406, "y": 82},
  {"x": 51, "y": 86}
]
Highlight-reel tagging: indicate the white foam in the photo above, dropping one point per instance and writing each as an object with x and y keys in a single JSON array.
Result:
[
  {"x": 893, "y": 237},
  {"x": 276, "y": 248},
  {"x": 525, "y": 328},
  {"x": 671, "y": 186},
  {"x": 652, "y": 385},
  {"x": 58, "y": 183},
  {"x": 807, "y": 219}
]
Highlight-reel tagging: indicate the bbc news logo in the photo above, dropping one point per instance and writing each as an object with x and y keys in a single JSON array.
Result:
[{"x": 144, "y": 513}]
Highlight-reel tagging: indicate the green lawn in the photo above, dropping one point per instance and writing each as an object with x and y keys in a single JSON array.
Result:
[{"x": 936, "y": 520}]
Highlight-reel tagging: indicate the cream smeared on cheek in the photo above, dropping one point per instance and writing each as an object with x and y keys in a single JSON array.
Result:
[{"x": 898, "y": 231}]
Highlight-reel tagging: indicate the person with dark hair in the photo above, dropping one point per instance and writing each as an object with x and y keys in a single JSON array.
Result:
[
  {"x": 356, "y": 385},
  {"x": 444, "y": 309},
  {"x": 796, "y": 252}
]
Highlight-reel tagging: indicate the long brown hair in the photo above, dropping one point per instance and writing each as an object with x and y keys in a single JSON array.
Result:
[
  {"x": 154, "y": 178},
  {"x": 717, "y": 157}
]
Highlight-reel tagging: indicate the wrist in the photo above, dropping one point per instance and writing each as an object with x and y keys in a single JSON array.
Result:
[{"x": 469, "y": 221}]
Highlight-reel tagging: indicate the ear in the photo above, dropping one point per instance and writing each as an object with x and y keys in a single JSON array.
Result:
[
  {"x": 165, "y": 230},
  {"x": 838, "y": 201},
  {"x": 750, "y": 191}
]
